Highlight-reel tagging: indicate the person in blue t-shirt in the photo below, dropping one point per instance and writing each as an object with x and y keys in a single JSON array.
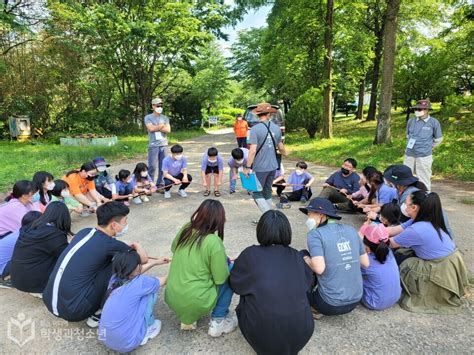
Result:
[
  {"x": 381, "y": 280},
  {"x": 341, "y": 184},
  {"x": 335, "y": 255},
  {"x": 127, "y": 319},
  {"x": 124, "y": 187},
  {"x": 236, "y": 162},
  {"x": 175, "y": 171},
  {"x": 300, "y": 181}
]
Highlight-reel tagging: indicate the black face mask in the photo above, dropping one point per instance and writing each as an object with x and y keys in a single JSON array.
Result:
[
  {"x": 90, "y": 178},
  {"x": 345, "y": 171}
]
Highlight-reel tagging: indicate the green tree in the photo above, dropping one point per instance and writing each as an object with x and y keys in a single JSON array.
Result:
[{"x": 307, "y": 112}]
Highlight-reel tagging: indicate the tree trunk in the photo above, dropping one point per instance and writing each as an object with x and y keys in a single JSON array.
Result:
[
  {"x": 327, "y": 77},
  {"x": 382, "y": 135},
  {"x": 375, "y": 75},
  {"x": 360, "y": 103}
]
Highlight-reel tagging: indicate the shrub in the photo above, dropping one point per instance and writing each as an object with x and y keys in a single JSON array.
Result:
[{"x": 306, "y": 112}]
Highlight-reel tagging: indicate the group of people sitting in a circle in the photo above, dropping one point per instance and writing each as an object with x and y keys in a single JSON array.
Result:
[{"x": 404, "y": 252}]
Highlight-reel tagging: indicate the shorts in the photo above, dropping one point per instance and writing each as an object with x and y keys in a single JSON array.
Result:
[{"x": 212, "y": 169}]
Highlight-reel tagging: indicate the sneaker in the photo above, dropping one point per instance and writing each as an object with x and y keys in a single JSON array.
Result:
[
  {"x": 93, "y": 321},
  {"x": 137, "y": 200},
  {"x": 254, "y": 222},
  {"x": 85, "y": 213},
  {"x": 303, "y": 200},
  {"x": 152, "y": 331},
  {"x": 126, "y": 203},
  {"x": 6, "y": 283},
  {"x": 167, "y": 194},
  {"x": 283, "y": 206},
  {"x": 232, "y": 192},
  {"x": 192, "y": 326},
  {"x": 37, "y": 295},
  {"x": 145, "y": 199},
  {"x": 182, "y": 193},
  {"x": 219, "y": 326}
]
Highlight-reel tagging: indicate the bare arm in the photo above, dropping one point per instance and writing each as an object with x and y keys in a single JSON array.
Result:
[
  {"x": 162, "y": 127},
  {"x": 316, "y": 263},
  {"x": 364, "y": 261},
  {"x": 84, "y": 200},
  {"x": 252, "y": 152},
  {"x": 281, "y": 148}
]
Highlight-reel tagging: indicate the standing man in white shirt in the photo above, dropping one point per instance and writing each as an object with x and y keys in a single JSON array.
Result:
[
  {"x": 158, "y": 126},
  {"x": 423, "y": 134}
]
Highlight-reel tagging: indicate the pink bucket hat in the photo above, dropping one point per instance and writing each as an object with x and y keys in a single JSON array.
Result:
[{"x": 374, "y": 233}]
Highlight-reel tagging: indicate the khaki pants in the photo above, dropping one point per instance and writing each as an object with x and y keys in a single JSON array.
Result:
[{"x": 421, "y": 167}]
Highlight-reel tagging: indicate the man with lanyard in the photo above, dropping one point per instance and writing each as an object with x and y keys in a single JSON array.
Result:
[
  {"x": 423, "y": 134},
  {"x": 265, "y": 138},
  {"x": 158, "y": 126}
]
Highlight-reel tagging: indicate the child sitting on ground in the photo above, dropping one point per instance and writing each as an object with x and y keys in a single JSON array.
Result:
[
  {"x": 45, "y": 183},
  {"x": 127, "y": 319},
  {"x": 238, "y": 160},
  {"x": 279, "y": 181},
  {"x": 212, "y": 165},
  {"x": 144, "y": 186},
  {"x": 61, "y": 193},
  {"x": 381, "y": 280},
  {"x": 390, "y": 214},
  {"x": 104, "y": 182},
  {"x": 175, "y": 171},
  {"x": 124, "y": 187},
  {"x": 300, "y": 181}
]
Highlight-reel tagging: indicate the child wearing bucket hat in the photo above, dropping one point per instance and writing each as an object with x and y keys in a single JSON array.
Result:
[
  {"x": 336, "y": 254},
  {"x": 381, "y": 280}
]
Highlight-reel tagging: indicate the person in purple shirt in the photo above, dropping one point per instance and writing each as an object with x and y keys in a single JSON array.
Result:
[
  {"x": 7, "y": 245},
  {"x": 212, "y": 165},
  {"x": 379, "y": 194},
  {"x": 426, "y": 233},
  {"x": 143, "y": 183},
  {"x": 124, "y": 187},
  {"x": 340, "y": 184},
  {"x": 127, "y": 319},
  {"x": 237, "y": 160},
  {"x": 300, "y": 181},
  {"x": 175, "y": 171},
  {"x": 381, "y": 280},
  {"x": 23, "y": 199}
]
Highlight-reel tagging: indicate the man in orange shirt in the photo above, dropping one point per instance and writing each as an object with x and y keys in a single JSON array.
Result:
[{"x": 241, "y": 128}]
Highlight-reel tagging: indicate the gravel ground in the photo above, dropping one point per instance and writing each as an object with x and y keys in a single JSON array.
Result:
[{"x": 155, "y": 225}]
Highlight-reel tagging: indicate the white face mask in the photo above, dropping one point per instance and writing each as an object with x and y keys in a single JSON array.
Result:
[
  {"x": 65, "y": 193},
  {"x": 419, "y": 113},
  {"x": 101, "y": 169},
  {"x": 212, "y": 160},
  {"x": 178, "y": 156},
  {"x": 239, "y": 161},
  {"x": 158, "y": 109},
  {"x": 50, "y": 186},
  {"x": 124, "y": 230},
  {"x": 298, "y": 172},
  {"x": 310, "y": 224},
  {"x": 403, "y": 208},
  {"x": 128, "y": 181},
  {"x": 144, "y": 174},
  {"x": 239, "y": 118}
]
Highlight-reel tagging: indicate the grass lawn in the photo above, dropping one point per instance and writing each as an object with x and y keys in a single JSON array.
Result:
[
  {"x": 453, "y": 159},
  {"x": 22, "y": 160}
]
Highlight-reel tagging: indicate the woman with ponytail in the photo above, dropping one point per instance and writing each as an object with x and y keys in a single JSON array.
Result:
[
  {"x": 381, "y": 280},
  {"x": 127, "y": 319}
]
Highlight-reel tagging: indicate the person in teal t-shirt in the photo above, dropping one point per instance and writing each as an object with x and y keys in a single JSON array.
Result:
[{"x": 198, "y": 277}]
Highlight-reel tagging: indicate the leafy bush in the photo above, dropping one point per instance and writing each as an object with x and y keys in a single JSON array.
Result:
[
  {"x": 306, "y": 112},
  {"x": 458, "y": 108}
]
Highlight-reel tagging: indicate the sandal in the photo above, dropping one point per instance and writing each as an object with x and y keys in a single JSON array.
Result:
[
  {"x": 207, "y": 193},
  {"x": 217, "y": 194}
]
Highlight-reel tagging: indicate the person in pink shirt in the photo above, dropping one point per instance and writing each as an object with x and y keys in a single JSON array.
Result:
[{"x": 22, "y": 200}]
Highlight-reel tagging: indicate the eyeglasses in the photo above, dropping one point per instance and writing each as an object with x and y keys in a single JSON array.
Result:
[{"x": 159, "y": 105}]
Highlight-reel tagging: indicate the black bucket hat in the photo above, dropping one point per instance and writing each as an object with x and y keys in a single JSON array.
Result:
[
  {"x": 321, "y": 205},
  {"x": 399, "y": 175}
]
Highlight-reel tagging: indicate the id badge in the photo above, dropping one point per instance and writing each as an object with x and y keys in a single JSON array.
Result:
[
  {"x": 158, "y": 135},
  {"x": 411, "y": 143}
]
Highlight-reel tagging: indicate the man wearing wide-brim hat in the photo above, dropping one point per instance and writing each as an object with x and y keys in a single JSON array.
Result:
[{"x": 423, "y": 134}]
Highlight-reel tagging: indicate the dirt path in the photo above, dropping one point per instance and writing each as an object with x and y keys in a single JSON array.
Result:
[{"x": 155, "y": 225}]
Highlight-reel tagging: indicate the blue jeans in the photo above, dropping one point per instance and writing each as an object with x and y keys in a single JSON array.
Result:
[
  {"x": 155, "y": 161},
  {"x": 232, "y": 183},
  {"x": 149, "y": 317},
  {"x": 224, "y": 298}
]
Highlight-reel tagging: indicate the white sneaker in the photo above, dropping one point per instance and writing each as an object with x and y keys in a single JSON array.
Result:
[
  {"x": 145, "y": 199},
  {"x": 37, "y": 295},
  {"x": 219, "y": 326},
  {"x": 93, "y": 320},
  {"x": 167, "y": 194},
  {"x": 152, "y": 331},
  {"x": 137, "y": 200},
  {"x": 182, "y": 193}
]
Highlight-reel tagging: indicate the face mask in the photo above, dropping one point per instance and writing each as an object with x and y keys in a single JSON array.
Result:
[
  {"x": 241, "y": 161},
  {"x": 159, "y": 109},
  {"x": 310, "y": 224},
  {"x": 403, "y": 208},
  {"x": 128, "y": 181},
  {"x": 35, "y": 197},
  {"x": 239, "y": 118},
  {"x": 50, "y": 186},
  {"x": 345, "y": 171},
  {"x": 101, "y": 169},
  {"x": 212, "y": 160},
  {"x": 419, "y": 113},
  {"x": 178, "y": 157},
  {"x": 65, "y": 193},
  {"x": 124, "y": 230},
  {"x": 144, "y": 174},
  {"x": 90, "y": 178},
  {"x": 298, "y": 172}
]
